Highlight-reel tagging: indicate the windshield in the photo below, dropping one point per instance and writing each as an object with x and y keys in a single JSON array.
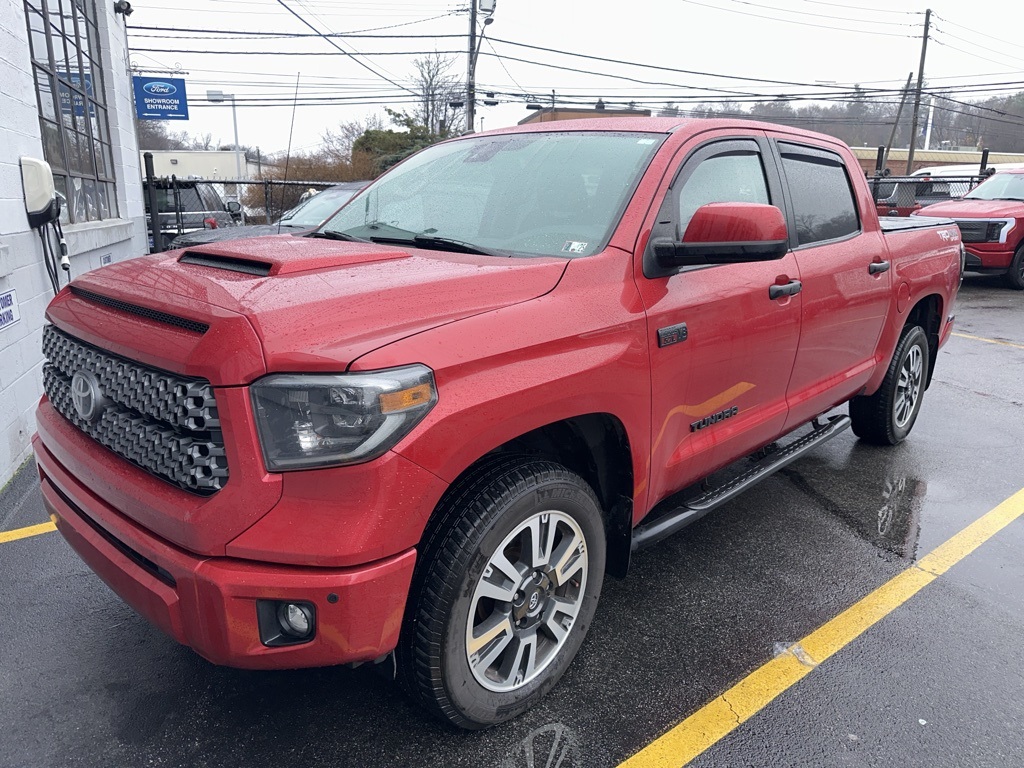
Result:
[
  {"x": 533, "y": 193},
  {"x": 1002, "y": 186},
  {"x": 321, "y": 205}
]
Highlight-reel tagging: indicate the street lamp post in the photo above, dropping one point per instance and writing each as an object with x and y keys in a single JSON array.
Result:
[{"x": 218, "y": 97}]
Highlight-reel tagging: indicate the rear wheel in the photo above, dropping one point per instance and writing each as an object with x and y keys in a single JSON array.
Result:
[
  {"x": 505, "y": 593},
  {"x": 886, "y": 417},
  {"x": 1015, "y": 276}
]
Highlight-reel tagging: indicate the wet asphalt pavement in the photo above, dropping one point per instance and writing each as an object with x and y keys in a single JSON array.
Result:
[{"x": 939, "y": 682}]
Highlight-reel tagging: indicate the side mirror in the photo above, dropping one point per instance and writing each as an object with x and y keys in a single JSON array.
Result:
[
  {"x": 727, "y": 233},
  {"x": 232, "y": 206}
]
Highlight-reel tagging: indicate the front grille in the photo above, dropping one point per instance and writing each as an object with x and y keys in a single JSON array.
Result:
[
  {"x": 973, "y": 231},
  {"x": 165, "y": 424}
]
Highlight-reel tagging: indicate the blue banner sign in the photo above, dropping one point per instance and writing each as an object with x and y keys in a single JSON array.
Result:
[{"x": 160, "y": 98}]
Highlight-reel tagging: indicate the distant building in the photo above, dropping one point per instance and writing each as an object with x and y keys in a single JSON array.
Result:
[
  {"x": 550, "y": 114},
  {"x": 214, "y": 165},
  {"x": 67, "y": 99},
  {"x": 925, "y": 158}
]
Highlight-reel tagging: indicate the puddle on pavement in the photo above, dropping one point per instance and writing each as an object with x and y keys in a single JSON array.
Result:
[{"x": 880, "y": 497}]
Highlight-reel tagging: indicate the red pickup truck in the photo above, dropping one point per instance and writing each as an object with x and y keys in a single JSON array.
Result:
[
  {"x": 991, "y": 222},
  {"x": 425, "y": 432}
]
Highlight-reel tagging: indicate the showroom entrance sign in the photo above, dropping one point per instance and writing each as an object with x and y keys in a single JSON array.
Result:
[{"x": 160, "y": 98}]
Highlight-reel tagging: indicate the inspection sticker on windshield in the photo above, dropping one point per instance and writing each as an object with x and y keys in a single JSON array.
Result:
[{"x": 574, "y": 246}]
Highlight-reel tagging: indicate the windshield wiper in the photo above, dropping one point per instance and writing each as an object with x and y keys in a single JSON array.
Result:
[
  {"x": 432, "y": 242},
  {"x": 334, "y": 234},
  {"x": 451, "y": 244}
]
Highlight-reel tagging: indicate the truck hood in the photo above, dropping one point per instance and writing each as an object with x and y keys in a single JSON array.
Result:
[
  {"x": 317, "y": 305},
  {"x": 976, "y": 209}
]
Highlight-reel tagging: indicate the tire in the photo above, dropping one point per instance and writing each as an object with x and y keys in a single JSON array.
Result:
[
  {"x": 886, "y": 417},
  {"x": 491, "y": 623},
  {"x": 1015, "y": 275}
]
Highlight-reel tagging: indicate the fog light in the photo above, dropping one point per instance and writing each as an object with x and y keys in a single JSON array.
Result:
[
  {"x": 295, "y": 619},
  {"x": 283, "y": 622}
]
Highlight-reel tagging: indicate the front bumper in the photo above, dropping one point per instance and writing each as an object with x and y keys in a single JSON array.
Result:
[
  {"x": 988, "y": 256},
  {"x": 209, "y": 603}
]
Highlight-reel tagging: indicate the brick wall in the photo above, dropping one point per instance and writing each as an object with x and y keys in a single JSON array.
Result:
[{"x": 90, "y": 245}]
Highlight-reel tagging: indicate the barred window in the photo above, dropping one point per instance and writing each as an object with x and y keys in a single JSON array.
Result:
[{"x": 64, "y": 43}]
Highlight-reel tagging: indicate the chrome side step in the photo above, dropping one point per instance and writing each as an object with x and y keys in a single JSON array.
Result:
[{"x": 692, "y": 509}]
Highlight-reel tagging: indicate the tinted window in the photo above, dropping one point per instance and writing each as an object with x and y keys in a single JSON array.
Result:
[
  {"x": 822, "y": 198},
  {"x": 188, "y": 197},
  {"x": 730, "y": 178}
]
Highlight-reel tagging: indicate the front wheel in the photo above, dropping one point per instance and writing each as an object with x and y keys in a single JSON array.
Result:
[
  {"x": 1015, "y": 276},
  {"x": 505, "y": 593},
  {"x": 886, "y": 417}
]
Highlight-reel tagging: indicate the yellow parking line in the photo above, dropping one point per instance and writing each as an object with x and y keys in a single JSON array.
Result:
[
  {"x": 721, "y": 716},
  {"x": 24, "y": 533},
  {"x": 990, "y": 341}
]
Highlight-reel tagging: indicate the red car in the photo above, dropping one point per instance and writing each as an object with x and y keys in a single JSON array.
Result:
[
  {"x": 991, "y": 221},
  {"x": 424, "y": 433}
]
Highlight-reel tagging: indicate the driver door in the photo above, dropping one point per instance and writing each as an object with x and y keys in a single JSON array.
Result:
[{"x": 718, "y": 343}]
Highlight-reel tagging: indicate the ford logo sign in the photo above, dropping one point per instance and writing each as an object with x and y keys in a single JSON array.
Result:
[{"x": 159, "y": 89}]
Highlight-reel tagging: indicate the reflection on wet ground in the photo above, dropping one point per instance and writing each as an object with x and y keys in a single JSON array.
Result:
[
  {"x": 884, "y": 507},
  {"x": 551, "y": 746}
]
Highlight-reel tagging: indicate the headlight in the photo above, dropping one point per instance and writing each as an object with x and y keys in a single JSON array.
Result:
[
  {"x": 307, "y": 421},
  {"x": 994, "y": 230}
]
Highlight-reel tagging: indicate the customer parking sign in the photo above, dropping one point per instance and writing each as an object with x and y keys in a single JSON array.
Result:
[{"x": 160, "y": 98}]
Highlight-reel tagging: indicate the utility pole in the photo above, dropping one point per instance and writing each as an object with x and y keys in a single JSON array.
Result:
[
  {"x": 471, "y": 71},
  {"x": 895, "y": 125},
  {"x": 917, "y": 96}
]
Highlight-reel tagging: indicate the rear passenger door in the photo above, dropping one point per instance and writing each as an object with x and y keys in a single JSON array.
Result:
[{"x": 845, "y": 272}]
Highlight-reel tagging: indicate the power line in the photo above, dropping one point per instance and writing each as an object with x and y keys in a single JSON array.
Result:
[
  {"x": 968, "y": 53},
  {"x": 849, "y": 7},
  {"x": 333, "y": 44},
  {"x": 307, "y": 53},
  {"x": 985, "y": 35},
  {"x": 978, "y": 45},
  {"x": 820, "y": 15},
  {"x": 793, "y": 21},
  {"x": 221, "y": 34}
]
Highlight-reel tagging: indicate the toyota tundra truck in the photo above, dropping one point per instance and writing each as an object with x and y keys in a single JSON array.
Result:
[
  {"x": 422, "y": 434},
  {"x": 991, "y": 222}
]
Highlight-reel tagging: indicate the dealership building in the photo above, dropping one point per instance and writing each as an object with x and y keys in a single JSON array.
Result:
[{"x": 67, "y": 99}]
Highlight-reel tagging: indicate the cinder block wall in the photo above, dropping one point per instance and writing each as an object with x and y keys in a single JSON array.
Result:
[{"x": 90, "y": 245}]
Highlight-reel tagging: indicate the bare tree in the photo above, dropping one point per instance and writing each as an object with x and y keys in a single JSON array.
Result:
[
  {"x": 203, "y": 142},
  {"x": 437, "y": 89},
  {"x": 338, "y": 143}
]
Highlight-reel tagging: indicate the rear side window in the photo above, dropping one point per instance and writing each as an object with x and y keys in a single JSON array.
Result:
[{"x": 822, "y": 197}]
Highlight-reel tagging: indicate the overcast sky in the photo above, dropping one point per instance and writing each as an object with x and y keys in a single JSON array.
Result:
[{"x": 820, "y": 45}]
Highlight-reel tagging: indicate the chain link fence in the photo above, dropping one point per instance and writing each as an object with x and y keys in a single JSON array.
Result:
[
  {"x": 901, "y": 195},
  {"x": 185, "y": 205}
]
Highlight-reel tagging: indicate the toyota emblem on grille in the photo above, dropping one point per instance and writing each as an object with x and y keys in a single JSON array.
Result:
[{"x": 86, "y": 395}]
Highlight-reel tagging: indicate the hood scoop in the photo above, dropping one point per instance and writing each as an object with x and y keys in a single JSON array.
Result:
[
  {"x": 230, "y": 263},
  {"x": 286, "y": 254}
]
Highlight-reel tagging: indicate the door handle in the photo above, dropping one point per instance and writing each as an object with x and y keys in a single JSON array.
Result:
[
  {"x": 877, "y": 267},
  {"x": 792, "y": 288}
]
